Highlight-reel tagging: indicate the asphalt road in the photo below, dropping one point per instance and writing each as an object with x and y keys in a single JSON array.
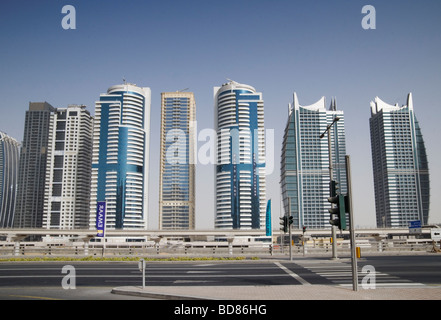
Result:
[
  {"x": 424, "y": 269},
  {"x": 94, "y": 280}
]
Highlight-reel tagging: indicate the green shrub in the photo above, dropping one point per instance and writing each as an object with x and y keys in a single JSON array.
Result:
[{"x": 93, "y": 258}]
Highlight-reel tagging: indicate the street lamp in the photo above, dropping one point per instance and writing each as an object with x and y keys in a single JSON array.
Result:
[
  {"x": 334, "y": 232},
  {"x": 328, "y": 128}
]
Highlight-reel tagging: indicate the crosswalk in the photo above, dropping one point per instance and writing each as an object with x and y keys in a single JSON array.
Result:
[{"x": 340, "y": 273}]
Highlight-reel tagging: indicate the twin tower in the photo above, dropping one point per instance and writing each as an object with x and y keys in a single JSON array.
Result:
[{"x": 121, "y": 152}]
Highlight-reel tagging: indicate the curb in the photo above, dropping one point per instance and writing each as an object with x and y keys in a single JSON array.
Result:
[{"x": 166, "y": 296}]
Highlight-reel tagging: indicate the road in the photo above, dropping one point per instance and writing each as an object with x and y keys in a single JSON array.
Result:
[{"x": 94, "y": 280}]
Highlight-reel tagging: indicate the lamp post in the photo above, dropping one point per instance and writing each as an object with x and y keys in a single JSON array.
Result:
[
  {"x": 334, "y": 228},
  {"x": 290, "y": 230}
]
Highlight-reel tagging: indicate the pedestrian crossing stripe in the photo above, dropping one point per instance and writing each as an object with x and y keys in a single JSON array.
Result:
[{"x": 340, "y": 274}]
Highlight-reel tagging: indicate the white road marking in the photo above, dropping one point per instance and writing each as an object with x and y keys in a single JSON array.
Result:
[{"x": 293, "y": 274}]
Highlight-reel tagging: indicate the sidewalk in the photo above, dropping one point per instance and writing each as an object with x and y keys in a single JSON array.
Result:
[{"x": 288, "y": 292}]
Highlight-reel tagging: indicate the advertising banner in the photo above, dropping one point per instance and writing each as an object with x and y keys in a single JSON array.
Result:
[
  {"x": 269, "y": 231},
  {"x": 100, "y": 218}
]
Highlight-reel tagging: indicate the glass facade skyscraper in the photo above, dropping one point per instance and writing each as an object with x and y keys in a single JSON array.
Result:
[
  {"x": 69, "y": 159},
  {"x": 240, "y": 182},
  {"x": 32, "y": 168},
  {"x": 9, "y": 159},
  {"x": 177, "y": 166},
  {"x": 305, "y": 162},
  {"x": 120, "y": 160},
  {"x": 401, "y": 170}
]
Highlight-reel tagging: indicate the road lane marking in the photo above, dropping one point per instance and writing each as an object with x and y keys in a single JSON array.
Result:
[
  {"x": 293, "y": 274},
  {"x": 202, "y": 271},
  {"x": 32, "y": 297}
]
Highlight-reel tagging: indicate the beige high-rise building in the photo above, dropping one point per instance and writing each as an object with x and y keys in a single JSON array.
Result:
[
  {"x": 177, "y": 161},
  {"x": 69, "y": 161}
]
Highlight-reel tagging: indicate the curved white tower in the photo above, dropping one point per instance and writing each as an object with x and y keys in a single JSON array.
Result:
[
  {"x": 121, "y": 156},
  {"x": 9, "y": 159},
  {"x": 240, "y": 171}
]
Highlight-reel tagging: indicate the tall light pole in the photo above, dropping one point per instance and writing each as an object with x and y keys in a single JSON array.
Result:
[
  {"x": 334, "y": 228},
  {"x": 290, "y": 230}
]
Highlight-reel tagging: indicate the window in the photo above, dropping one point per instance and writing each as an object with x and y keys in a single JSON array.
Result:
[
  {"x": 58, "y": 161},
  {"x": 58, "y": 176},
  {"x": 59, "y": 146},
  {"x": 60, "y": 135},
  {"x": 56, "y": 190},
  {"x": 61, "y": 125}
]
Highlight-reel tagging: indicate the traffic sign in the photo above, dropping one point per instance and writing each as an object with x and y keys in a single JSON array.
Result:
[{"x": 415, "y": 226}]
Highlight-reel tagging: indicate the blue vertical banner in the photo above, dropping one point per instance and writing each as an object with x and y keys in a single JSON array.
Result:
[
  {"x": 268, "y": 219},
  {"x": 100, "y": 218}
]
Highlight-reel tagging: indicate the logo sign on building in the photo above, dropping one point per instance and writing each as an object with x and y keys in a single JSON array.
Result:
[{"x": 100, "y": 218}]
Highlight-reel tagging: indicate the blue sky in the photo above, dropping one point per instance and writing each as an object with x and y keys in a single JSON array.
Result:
[{"x": 315, "y": 48}]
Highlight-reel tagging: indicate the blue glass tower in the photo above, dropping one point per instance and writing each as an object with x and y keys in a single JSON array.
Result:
[
  {"x": 120, "y": 156},
  {"x": 305, "y": 162},
  {"x": 240, "y": 170}
]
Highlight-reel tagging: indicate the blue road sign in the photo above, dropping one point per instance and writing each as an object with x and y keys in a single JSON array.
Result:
[{"x": 415, "y": 224}]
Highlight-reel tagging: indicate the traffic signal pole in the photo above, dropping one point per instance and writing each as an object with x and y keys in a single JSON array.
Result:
[
  {"x": 333, "y": 228},
  {"x": 350, "y": 210}
]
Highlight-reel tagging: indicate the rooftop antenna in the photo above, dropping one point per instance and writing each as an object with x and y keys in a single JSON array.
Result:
[
  {"x": 183, "y": 90},
  {"x": 124, "y": 80}
]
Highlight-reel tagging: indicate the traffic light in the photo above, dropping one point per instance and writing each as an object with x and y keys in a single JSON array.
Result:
[
  {"x": 304, "y": 229},
  {"x": 290, "y": 220},
  {"x": 284, "y": 224},
  {"x": 333, "y": 188},
  {"x": 338, "y": 211},
  {"x": 341, "y": 204}
]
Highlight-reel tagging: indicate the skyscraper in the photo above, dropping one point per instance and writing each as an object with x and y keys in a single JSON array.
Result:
[
  {"x": 240, "y": 169},
  {"x": 32, "y": 167},
  {"x": 401, "y": 170},
  {"x": 177, "y": 166},
  {"x": 120, "y": 161},
  {"x": 9, "y": 159},
  {"x": 305, "y": 162},
  {"x": 69, "y": 160}
]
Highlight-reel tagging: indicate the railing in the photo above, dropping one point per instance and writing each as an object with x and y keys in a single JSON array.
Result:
[{"x": 80, "y": 249}]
